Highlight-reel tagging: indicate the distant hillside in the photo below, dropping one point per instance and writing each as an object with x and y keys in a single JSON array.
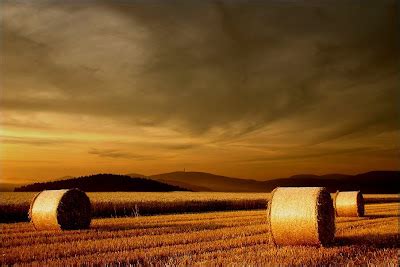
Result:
[
  {"x": 103, "y": 183},
  {"x": 370, "y": 182},
  {"x": 64, "y": 178},
  {"x": 201, "y": 181},
  {"x": 7, "y": 187},
  {"x": 136, "y": 175},
  {"x": 189, "y": 186}
]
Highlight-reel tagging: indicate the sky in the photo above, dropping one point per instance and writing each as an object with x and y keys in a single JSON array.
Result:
[{"x": 252, "y": 89}]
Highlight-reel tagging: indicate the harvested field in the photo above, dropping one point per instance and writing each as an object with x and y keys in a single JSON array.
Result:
[
  {"x": 14, "y": 206},
  {"x": 213, "y": 238}
]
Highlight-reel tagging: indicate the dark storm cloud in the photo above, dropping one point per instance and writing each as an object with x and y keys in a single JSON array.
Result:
[{"x": 197, "y": 66}]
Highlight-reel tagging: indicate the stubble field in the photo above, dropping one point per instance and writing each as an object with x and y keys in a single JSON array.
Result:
[
  {"x": 212, "y": 238},
  {"x": 14, "y": 206}
]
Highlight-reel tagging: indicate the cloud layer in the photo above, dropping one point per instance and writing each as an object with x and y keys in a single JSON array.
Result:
[{"x": 221, "y": 71}]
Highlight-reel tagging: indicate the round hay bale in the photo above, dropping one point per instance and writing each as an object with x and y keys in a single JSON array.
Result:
[
  {"x": 66, "y": 209},
  {"x": 301, "y": 216},
  {"x": 349, "y": 204}
]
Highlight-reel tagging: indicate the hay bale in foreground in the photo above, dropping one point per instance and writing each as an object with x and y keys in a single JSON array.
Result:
[
  {"x": 349, "y": 204},
  {"x": 67, "y": 209},
  {"x": 301, "y": 216}
]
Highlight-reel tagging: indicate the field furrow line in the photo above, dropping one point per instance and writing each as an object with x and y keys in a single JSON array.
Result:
[
  {"x": 368, "y": 223},
  {"x": 158, "y": 254},
  {"x": 267, "y": 255},
  {"x": 43, "y": 251},
  {"x": 129, "y": 223},
  {"x": 210, "y": 223},
  {"x": 122, "y": 222},
  {"x": 59, "y": 237}
]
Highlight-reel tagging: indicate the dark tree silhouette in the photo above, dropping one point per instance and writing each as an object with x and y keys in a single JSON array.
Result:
[{"x": 103, "y": 183}]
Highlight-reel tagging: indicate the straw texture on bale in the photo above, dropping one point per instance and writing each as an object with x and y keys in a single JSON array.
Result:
[
  {"x": 301, "y": 216},
  {"x": 67, "y": 209},
  {"x": 349, "y": 204}
]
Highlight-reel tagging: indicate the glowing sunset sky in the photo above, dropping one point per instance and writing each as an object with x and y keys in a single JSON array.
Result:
[{"x": 260, "y": 89}]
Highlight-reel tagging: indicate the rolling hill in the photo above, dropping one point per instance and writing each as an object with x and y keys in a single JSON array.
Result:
[
  {"x": 7, "y": 187},
  {"x": 201, "y": 181},
  {"x": 370, "y": 182},
  {"x": 103, "y": 183},
  {"x": 137, "y": 175}
]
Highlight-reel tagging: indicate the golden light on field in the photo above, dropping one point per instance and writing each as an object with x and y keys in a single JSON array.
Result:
[
  {"x": 211, "y": 238},
  {"x": 185, "y": 99}
]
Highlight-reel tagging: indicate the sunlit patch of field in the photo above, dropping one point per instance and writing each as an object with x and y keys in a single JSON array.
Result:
[
  {"x": 14, "y": 206},
  {"x": 213, "y": 238}
]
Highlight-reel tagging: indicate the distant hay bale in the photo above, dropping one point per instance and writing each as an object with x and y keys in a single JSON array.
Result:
[
  {"x": 349, "y": 204},
  {"x": 67, "y": 209},
  {"x": 301, "y": 216}
]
